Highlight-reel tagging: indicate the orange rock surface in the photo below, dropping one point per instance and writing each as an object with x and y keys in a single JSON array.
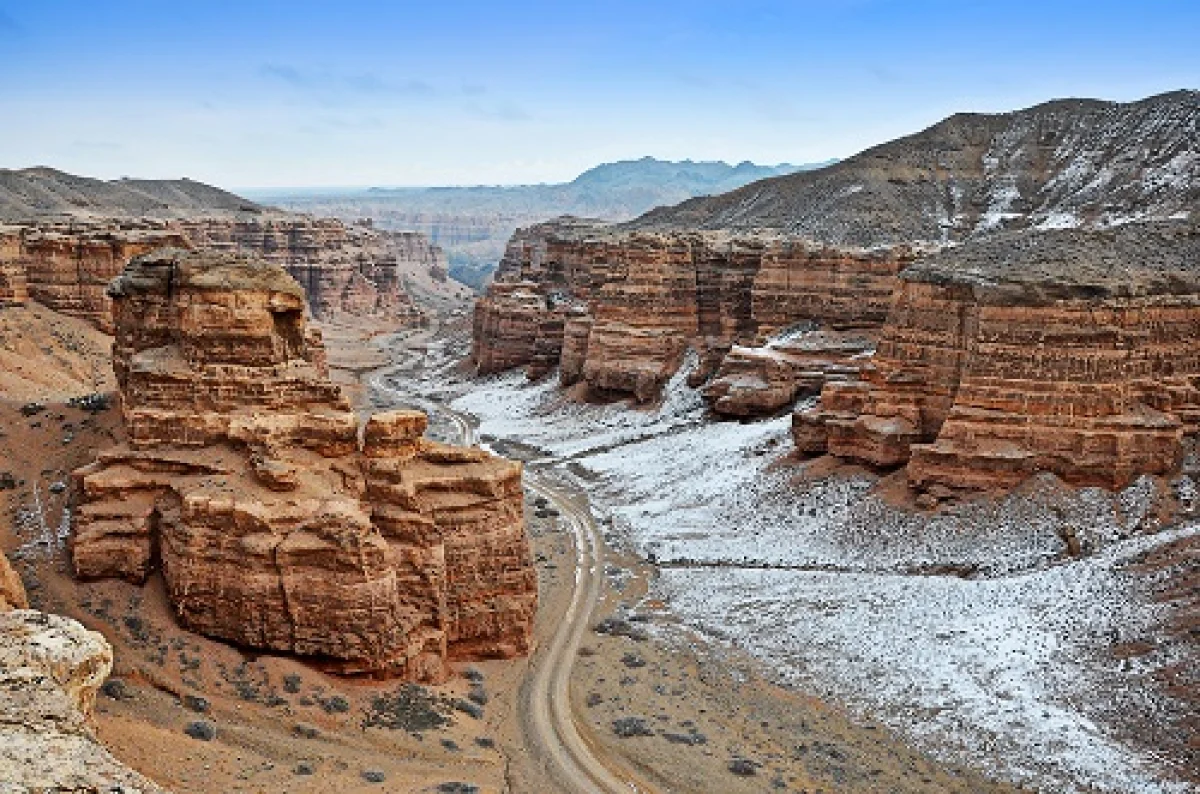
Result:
[
  {"x": 276, "y": 521},
  {"x": 12, "y": 592},
  {"x": 1068, "y": 352},
  {"x": 348, "y": 270}
]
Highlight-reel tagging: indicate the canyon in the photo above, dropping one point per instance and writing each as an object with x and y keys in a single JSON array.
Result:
[
  {"x": 913, "y": 433},
  {"x": 617, "y": 311},
  {"x": 274, "y": 518}
]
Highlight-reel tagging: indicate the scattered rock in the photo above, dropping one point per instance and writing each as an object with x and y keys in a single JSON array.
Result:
[
  {"x": 374, "y": 775},
  {"x": 743, "y": 767},
  {"x": 204, "y": 731},
  {"x": 627, "y": 727},
  {"x": 117, "y": 689},
  {"x": 196, "y": 703}
]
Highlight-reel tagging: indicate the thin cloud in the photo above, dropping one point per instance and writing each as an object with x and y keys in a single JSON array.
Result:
[
  {"x": 499, "y": 111},
  {"x": 360, "y": 84}
]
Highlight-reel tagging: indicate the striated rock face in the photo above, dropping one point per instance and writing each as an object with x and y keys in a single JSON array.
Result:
[
  {"x": 50, "y": 670},
  {"x": 1069, "y": 352},
  {"x": 618, "y": 310},
  {"x": 274, "y": 521},
  {"x": 14, "y": 286},
  {"x": 346, "y": 270},
  {"x": 68, "y": 268}
]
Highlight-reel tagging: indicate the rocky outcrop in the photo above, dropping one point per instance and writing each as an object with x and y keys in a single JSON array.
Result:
[
  {"x": 12, "y": 591},
  {"x": 1068, "y": 352},
  {"x": 759, "y": 381},
  {"x": 618, "y": 311},
  {"x": 50, "y": 670},
  {"x": 14, "y": 286},
  {"x": 275, "y": 520}
]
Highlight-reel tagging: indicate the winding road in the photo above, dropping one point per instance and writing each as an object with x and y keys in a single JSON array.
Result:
[{"x": 545, "y": 701}]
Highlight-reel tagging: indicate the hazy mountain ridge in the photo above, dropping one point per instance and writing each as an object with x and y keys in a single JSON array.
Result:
[
  {"x": 1065, "y": 163},
  {"x": 36, "y": 193}
]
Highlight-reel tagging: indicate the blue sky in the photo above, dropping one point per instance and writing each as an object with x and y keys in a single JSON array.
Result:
[{"x": 247, "y": 93}]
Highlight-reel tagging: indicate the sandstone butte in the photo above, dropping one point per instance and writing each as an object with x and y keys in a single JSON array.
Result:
[
  {"x": 618, "y": 311},
  {"x": 1071, "y": 352},
  {"x": 346, "y": 270},
  {"x": 50, "y": 670},
  {"x": 276, "y": 521}
]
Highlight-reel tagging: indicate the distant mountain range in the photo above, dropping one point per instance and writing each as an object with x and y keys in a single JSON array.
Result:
[
  {"x": 474, "y": 223},
  {"x": 39, "y": 193},
  {"x": 1066, "y": 163}
]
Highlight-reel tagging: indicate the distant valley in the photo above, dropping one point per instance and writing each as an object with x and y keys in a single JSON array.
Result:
[{"x": 473, "y": 224}]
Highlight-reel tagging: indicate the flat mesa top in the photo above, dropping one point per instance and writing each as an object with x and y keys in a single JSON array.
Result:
[{"x": 1132, "y": 260}]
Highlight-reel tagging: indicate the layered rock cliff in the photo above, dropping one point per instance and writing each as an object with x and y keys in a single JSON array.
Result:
[
  {"x": 1063, "y": 351},
  {"x": 346, "y": 270},
  {"x": 274, "y": 519},
  {"x": 618, "y": 310}
]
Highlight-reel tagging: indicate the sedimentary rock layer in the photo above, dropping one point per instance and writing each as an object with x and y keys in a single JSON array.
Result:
[
  {"x": 275, "y": 520},
  {"x": 346, "y": 270},
  {"x": 1069, "y": 352},
  {"x": 618, "y": 310}
]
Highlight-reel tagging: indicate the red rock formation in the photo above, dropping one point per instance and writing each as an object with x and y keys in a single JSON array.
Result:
[
  {"x": 347, "y": 270},
  {"x": 245, "y": 481},
  {"x": 1068, "y": 352},
  {"x": 506, "y": 325},
  {"x": 68, "y": 268},
  {"x": 14, "y": 287},
  {"x": 638, "y": 301}
]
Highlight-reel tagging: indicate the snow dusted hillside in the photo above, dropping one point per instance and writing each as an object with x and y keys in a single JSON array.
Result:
[
  {"x": 1065, "y": 163},
  {"x": 970, "y": 631}
]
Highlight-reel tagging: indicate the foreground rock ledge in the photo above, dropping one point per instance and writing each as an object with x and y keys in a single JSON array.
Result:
[
  {"x": 276, "y": 521},
  {"x": 50, "y": 670}
]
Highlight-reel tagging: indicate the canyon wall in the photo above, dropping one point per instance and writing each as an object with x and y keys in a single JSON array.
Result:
[
  {"x": 346, "y": 270},
  {"x": 274, "y": 519},
  {"x": 618, "y": 310},
  {"x": 1064, "y": 351}
]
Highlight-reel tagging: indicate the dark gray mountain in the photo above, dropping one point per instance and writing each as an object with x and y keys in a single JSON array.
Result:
[{"x": 33, "y": 193}]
